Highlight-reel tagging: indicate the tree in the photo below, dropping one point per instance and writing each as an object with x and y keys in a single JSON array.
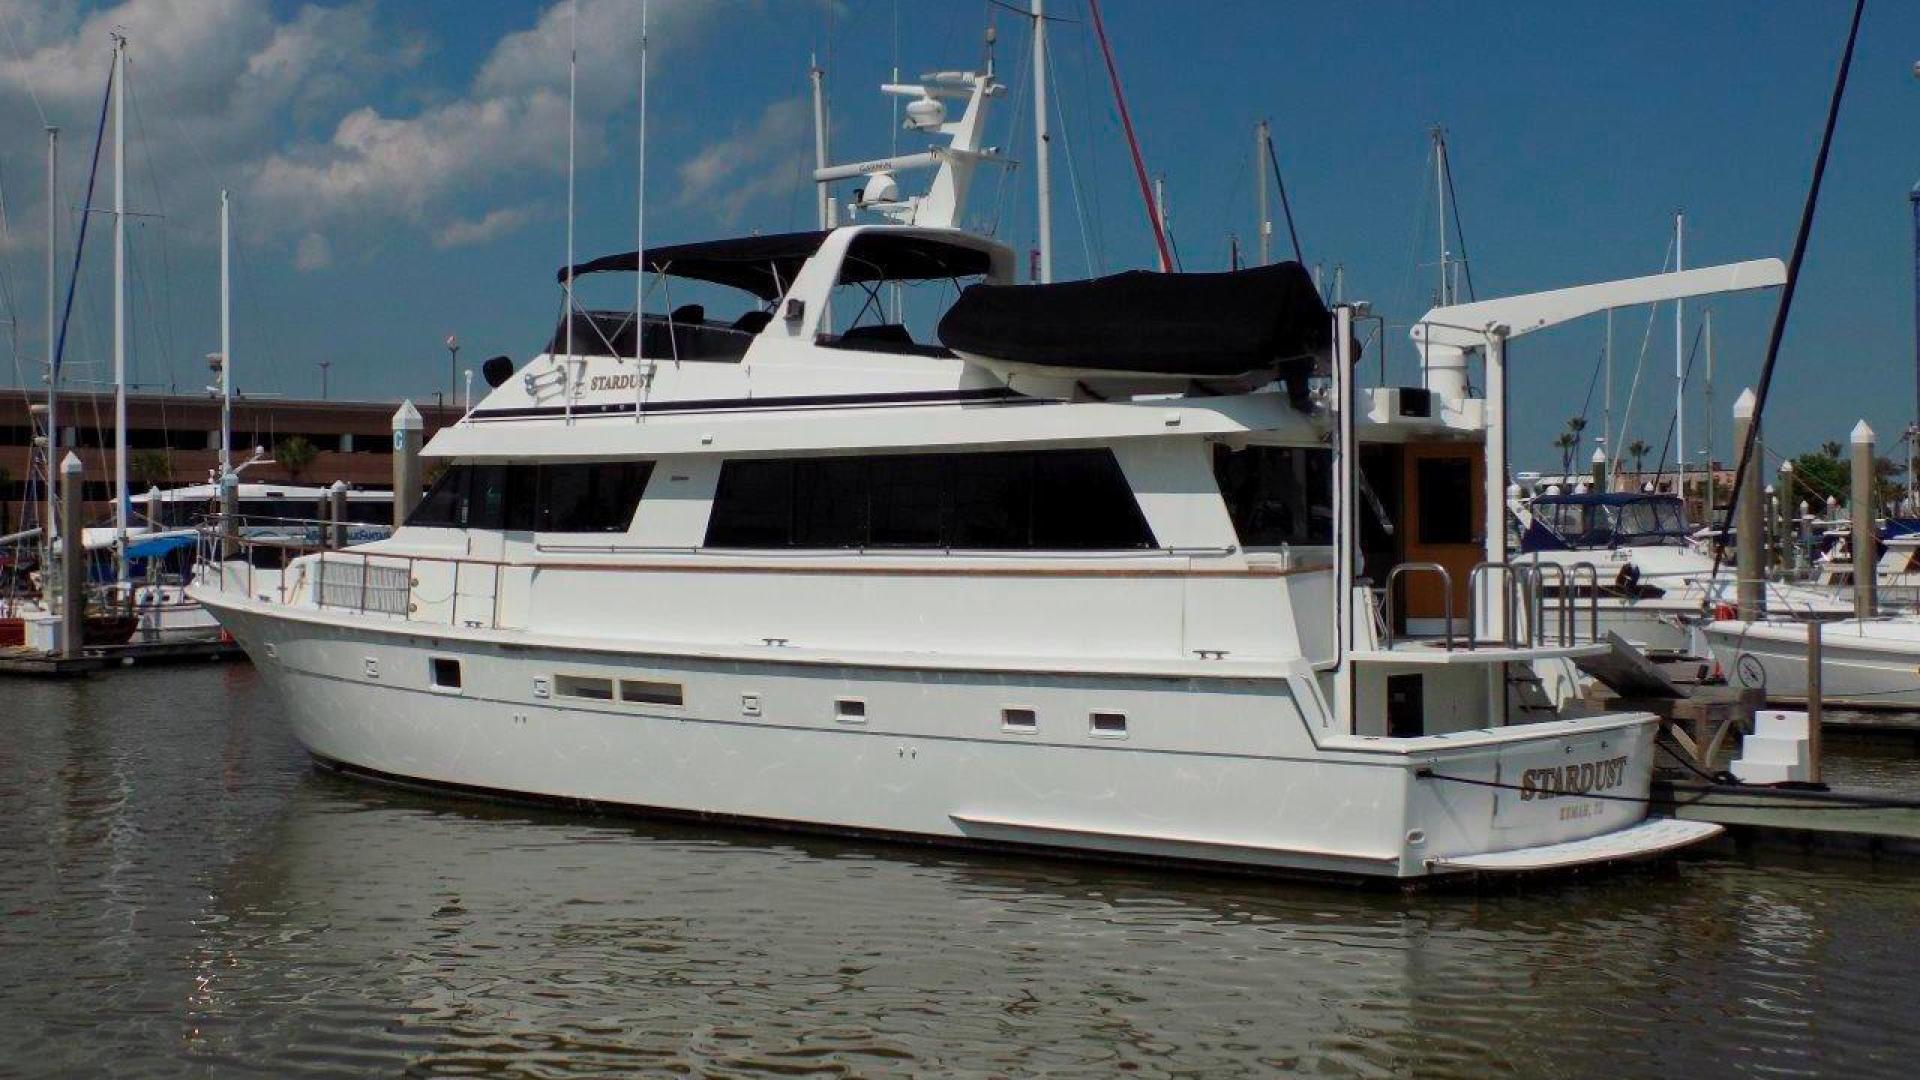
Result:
[
  {"x": 1638, "y": 451},
  {"x": 1576, "y": 427},
  {"x": 294, "y": 453},
  {"x": 1565, "y": 443},
  {"x": 148, "y": 469}
]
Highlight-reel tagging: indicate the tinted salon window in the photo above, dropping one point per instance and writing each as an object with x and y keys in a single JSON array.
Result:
[
  {"x": 1040, "y": 500},
  {"x": 583, "y": 497},
  {"x": 1277, "y": 494}
]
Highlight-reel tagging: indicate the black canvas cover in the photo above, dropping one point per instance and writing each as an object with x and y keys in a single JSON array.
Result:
[
  {"x": 766, "y": 265},
  {"x": 1218, "y": 325}
]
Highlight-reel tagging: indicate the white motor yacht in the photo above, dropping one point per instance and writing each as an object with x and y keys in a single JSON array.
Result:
[{"x": 1082, "y": 577}]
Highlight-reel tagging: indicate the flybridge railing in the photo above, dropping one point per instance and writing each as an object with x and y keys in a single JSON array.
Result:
[
  {"x": 1522, "y": 595},
  {"x": 267, "y": 566}
]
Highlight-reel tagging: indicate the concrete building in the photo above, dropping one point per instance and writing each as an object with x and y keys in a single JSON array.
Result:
[{"x": 175, "y": 439}]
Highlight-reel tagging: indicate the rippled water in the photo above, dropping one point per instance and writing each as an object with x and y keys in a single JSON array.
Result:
[{"x": 181, "y": 894}]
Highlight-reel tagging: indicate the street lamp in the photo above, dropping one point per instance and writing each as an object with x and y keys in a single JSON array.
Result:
[
  {"x": 453, "y": 366},
  {"x": 324, "y": 365}
]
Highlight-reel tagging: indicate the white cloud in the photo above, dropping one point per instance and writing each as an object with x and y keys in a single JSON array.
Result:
[
  {"x": 510, "y": 125},
  {"x": 760, "y": 162},
  {"x": 312, "y": 253},
  {"x": 273, "y": 103},
  {"x": 494, "y": 224}
]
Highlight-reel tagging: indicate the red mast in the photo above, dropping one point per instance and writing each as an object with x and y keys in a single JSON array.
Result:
[{"x": 1133, "y": 144}]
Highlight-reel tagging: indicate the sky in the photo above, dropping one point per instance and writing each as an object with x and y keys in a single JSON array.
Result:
[{"x": 398, "y": 171}]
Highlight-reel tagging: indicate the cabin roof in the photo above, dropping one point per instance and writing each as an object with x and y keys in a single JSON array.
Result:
[{"x": 766, "y": 265}]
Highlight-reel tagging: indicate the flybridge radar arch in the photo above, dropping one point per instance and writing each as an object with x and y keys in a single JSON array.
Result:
[{"x": 927, "y": 111}]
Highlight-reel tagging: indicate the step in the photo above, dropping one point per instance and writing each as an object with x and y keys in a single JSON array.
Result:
[
  {"x": 1781, "y": 724},
  {"x": 1767, "y": 772},
  {"x": 1654, "y": 836},
  {"x": 1777, "y": 751}
]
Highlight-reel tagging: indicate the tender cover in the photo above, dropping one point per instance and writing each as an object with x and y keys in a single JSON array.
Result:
[{"x": 1195, "y": 325}]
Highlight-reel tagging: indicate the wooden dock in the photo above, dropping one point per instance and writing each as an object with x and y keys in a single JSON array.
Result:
[
  {"x": 1828, "y": 821},
  {"x": 35, "y": 664}
]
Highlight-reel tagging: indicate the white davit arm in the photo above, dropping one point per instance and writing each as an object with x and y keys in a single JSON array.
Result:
[{"x": 1445, "y": 335}]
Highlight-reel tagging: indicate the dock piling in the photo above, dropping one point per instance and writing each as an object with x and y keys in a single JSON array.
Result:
[
  {"x": 1814, "y": 706},
  {"x": 407, "y": 430},
  {"x": 73, "y": 561},
  {"x": 1750, "y": 568},
  {"x": 1866, "y": 549}
]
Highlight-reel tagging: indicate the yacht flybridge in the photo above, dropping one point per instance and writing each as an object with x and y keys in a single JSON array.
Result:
[{"x": 1129, "y": 568}]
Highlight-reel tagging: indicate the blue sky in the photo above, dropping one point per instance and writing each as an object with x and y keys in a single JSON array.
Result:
[{"x": 398, "y": 169}]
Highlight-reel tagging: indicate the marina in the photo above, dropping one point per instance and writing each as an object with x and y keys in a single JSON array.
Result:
[{"x": 840, "y": 628}]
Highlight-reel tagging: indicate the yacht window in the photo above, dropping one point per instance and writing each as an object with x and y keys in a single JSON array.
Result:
[
  {"x": 583, "y": 686},
  {"x": 446, "y": 672},
  {"x": 1277, "y": 494},
  {"x": 648, "y": 692},
  {"x": 584, "y": 497},
  {"x": 1058, "y": 500},
  {"x": 1445, "y": 487}
]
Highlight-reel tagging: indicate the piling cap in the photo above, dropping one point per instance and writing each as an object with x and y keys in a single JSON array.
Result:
[
  {"x": 407, "y": 418},
  {"x": 339, "y": 486},
  {"x": 70, "y": 465},
  {"x": 1862, "y": 434},
  {"x": 1786, "y": 466},
  {"x": 1743, "y": 405},
  {"x": 1599, "y": 456}
]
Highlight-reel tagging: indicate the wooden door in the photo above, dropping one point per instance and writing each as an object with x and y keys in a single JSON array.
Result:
[{"x": 1444, "y": 498}]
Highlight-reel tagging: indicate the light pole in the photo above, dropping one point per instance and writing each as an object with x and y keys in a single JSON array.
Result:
[
  {"x": 324, "y": 365},
  {"x": 453, "y": 367}
]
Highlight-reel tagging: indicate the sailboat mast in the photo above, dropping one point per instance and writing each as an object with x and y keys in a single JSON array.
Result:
[
  {"x": 1042, "y": 140},
  {"x": 226, "y": 341},
  {"x": 1680, "y": 360},
  {"x": 573, "y": 65},
  {"x": 53, "y": 370},
  {"x": 1261, "y": 135},
  {"x": 1786, "y": 497},
  {"x": 120, "y": 306},
  {"x": 1440, "y": 208},
  {"x": 640, "y": 213}
]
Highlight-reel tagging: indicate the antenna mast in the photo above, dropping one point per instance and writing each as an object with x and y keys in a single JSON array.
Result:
[{"x": 818, "y": 77}]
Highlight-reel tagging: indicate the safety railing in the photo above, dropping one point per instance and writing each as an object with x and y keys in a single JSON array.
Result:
[
  {"x": 359, "y": 582},
  {"x": 1446, "y": 600}
]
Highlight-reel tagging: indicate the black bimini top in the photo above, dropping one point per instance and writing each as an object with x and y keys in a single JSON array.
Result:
[
  {"x": 1215, "y": 325},
  {"x": 766, "y": 265}
]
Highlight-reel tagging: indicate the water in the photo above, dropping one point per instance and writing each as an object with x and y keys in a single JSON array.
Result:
[{"x": 181, "y": 894}]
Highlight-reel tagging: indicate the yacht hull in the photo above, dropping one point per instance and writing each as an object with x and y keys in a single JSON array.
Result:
[{"x": 1219, "y": 770}]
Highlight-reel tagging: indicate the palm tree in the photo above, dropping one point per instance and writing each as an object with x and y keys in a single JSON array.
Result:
[
  {"x": 1565, "y": 443},
  {"x": 294, "y": 453},
  {"x": 1638, "y": 451}
]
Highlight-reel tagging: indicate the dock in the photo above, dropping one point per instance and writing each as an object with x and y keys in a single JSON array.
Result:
[
  {"x": 1826, "y": 821},
  {"x": 37, "y": 664}
]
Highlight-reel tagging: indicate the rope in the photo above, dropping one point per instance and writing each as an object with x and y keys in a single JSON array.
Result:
[
  {"x": 1855, "y": 802},
  {"x": 1285, "y": 206},
  {"x": 1459, "y": 232},
  {"x": 1793, "y": 280},
  {"x": 1133, "y": 143}
]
